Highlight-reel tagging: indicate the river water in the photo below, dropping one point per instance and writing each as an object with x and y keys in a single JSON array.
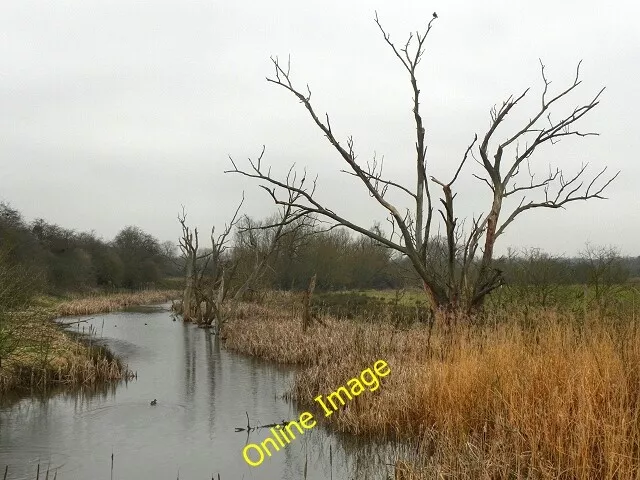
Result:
[{"x": 202, "y": 392}]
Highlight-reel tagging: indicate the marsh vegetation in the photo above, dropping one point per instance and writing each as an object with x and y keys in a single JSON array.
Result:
[
  {"x": 520, "y": 365},
  {"x": 540, "y": 383},
  {"x": 527, "y": 393}
]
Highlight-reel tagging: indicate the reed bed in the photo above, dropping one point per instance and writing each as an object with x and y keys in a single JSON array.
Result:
[
  {"x": 103, "y": 303},
  {"x": 537, "y": 395}
]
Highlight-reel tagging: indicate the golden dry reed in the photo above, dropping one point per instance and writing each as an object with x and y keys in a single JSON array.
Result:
[
  {"x": 556, "y": 400},
  {"x": 102, "y": 303}
]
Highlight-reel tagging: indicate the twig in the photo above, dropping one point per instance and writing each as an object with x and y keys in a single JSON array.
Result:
[{"x": 73, "y": 323}]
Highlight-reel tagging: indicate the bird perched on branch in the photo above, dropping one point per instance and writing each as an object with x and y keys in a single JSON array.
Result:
[{"x": 435, "y": 15}]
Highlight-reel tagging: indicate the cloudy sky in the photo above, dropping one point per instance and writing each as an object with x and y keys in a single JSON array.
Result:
[{"x": 117, "y": 112}]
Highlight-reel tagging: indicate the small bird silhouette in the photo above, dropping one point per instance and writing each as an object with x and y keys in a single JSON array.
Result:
[
  {"x": 154, "y": 402},
  {"x": 435, "y": 15}
]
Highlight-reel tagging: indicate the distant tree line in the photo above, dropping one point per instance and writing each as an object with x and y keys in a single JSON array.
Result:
[
  {"x": 54, "y": 259},
  {"x": 51, "y": 258},
  {"x": 344, "y": 261},
  {"x": 339, "y": 259}
]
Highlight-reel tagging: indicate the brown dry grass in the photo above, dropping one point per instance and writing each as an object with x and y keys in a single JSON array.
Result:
[
  {"x": 101, "y": 303},
  {"x": 560, "y": 399}
]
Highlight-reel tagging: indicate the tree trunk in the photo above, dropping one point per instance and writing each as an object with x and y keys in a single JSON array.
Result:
[
  {"x": 187, "y": 298},
  {"x": 219, "y": 301},
  {"x": 306, "y": 304}
]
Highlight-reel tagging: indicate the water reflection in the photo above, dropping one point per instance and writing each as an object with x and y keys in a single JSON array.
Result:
[{"x": 203, "y": 392}]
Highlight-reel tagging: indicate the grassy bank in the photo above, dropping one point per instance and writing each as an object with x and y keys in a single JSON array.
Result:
[
  {"x": 531, "y": 394},
  {"x": 37, "y": 354}
]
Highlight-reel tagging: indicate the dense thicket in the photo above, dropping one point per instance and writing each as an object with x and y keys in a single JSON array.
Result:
[{"x": 44, "y": 257}]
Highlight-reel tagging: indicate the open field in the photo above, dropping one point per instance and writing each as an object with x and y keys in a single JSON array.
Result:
[
  {"x": 625, "y": 297},
  {"x": 535, "y": 393},
  {"x": 37, "y": 354}
]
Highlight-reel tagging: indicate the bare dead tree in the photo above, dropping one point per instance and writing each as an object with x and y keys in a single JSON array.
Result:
[
  {"x": 470, "y": 274},
  {"x": 205, "y": 273},
  {"x": 189, "y": 244}
]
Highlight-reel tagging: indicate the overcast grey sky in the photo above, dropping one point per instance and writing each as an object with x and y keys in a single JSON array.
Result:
[{"x": 117, "y": 112}]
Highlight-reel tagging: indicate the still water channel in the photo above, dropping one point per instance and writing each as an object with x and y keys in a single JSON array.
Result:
[{"x": 202, "y": 393}]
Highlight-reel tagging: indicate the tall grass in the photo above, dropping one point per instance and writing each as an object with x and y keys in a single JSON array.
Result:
[
  {"x": 535, "y": 394},
  {"x": 103, "y": 303}
]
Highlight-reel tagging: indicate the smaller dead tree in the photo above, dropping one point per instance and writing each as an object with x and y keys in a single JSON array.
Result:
[
  {"x": 189, "y": 248},
  {"x": 207, "y": 274}
]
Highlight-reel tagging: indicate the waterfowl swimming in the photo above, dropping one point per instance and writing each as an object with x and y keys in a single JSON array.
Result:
[{"x": 154, "y": 402}]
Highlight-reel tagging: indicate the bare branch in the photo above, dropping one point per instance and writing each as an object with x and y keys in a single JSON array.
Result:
[
  {"x": 567, "y": 193},
  {"x": 296, "y": 194},
  {"x": 283, "y": 79}
]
